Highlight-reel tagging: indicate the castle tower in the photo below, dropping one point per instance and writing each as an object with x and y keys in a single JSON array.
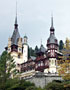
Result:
[
  {"x": 15, "y": 46},
  {"x": 52, "y": 48},
  {"x": 25, "y": 49}
]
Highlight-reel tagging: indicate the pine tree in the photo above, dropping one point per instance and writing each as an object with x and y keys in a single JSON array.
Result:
[
  {"x": 36, "y": 48},
  {"x": 31, "y": 51},
  {"x": 7, "y": 68},
  {"x": 61, "y": 45}
]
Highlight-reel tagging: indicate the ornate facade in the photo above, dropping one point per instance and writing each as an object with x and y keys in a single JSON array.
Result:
[{"x": 46, "y": 59}]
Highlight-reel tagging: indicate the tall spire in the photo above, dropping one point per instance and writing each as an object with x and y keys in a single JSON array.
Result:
[
  {"x": 16, "y": 25},
  {"x": 52, "y": 28},
  {"x": 52, "y": 21},
  {"x": 41, "y": 41}
]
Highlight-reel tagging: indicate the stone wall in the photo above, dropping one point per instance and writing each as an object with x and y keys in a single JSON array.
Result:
[{"x": 42, "y": 80}]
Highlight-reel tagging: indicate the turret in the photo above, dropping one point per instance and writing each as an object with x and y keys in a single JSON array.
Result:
[
  {"x": 25, "y": 39},
  {"x": 52, "y": 43},
  {"x": 52, "y": 49},
  {"x": 25, "y": 49}
]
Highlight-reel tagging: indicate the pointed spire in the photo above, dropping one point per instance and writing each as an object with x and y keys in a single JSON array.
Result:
[
  {"x": 41, "y": 41},
  {"x": 16, "y": 14},
  {"x": 16, "y": 20},
  {"x": 16, "y": 25},
  {"x": 51, "y": 28},
  {"x": 52, "y": 21}
]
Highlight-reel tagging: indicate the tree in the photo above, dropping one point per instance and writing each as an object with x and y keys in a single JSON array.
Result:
[
  {"x": 64, "y": 63},
  {"x": 61, "y": 45},
  {"x": 17, "y": 84},
  {"x": 7, "y": 68},
  {"x": 31, "y": 88},
  {"x": 36, "y": 48},
  {"x": 67, "y": 44},
  {"x": 54, "y": 86},
  {"x": 31, "y": 52},
  {"x": 64, "y": 70}
]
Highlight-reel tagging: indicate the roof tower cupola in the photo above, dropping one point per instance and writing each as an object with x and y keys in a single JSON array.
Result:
[{"x": 52, "y": 39}]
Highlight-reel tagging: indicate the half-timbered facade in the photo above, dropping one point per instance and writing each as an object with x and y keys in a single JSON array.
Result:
[
  {"x": 41, "y": 61},
  {"x": 46, "y": 59}
]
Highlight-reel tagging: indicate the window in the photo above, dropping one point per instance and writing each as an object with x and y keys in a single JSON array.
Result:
[
  {"x": 20, "y": 49},
  {"x": 53, "y": 46},
  {"x": 41, "y": 63},
  {"x": 19, "y": 56},
  {"x": 52, "y": 53},
  {"x": 38, "y": 64},
  {"x": 8, "y": 49}
]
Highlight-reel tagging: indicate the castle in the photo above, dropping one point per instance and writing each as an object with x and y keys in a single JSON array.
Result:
[{"x": 46, "y": 60}]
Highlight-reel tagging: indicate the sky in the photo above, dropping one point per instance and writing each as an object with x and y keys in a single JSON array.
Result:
[{"x": 34, "y": 20}]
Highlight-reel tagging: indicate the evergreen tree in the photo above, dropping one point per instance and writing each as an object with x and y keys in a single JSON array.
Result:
[
  {"x": 61, "y": 45},
  {"x": 31, "y": 52},
  {"x": 7, "y": 68},
  {"x": 36, "y": 48}
]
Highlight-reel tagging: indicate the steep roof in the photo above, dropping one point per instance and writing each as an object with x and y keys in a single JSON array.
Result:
[
  {"x": 16, "y": 34},
  {"x": 52, "y": 39},
  {"x": 42, "y": 49},
  {"x": 25, "y": 36}
]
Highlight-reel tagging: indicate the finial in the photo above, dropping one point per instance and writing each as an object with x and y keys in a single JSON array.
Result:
[
  {"x": 41, "y": 41},
  {"x": 16, "y": 13},
  {"x": 51, "y": 20},
  {"x": 25, "y": 36},
  {"x": 16, "y": 8}
]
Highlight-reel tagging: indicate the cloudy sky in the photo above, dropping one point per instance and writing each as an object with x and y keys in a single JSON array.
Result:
[{"x": 34, "y": 19}]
